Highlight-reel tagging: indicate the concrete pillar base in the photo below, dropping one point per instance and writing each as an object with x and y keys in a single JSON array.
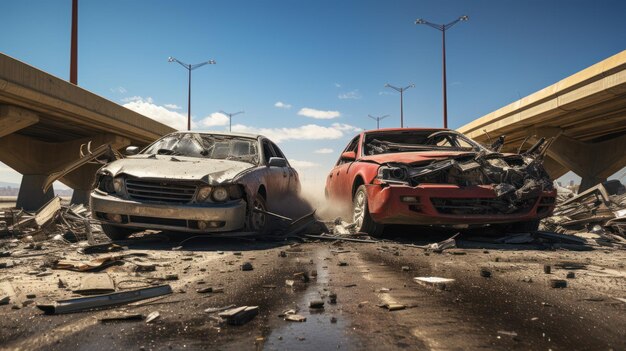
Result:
[
  {"x": 31, "y": 196},
  {"x": 80, "y": 196},
  {"x": 593, "y": 161}
]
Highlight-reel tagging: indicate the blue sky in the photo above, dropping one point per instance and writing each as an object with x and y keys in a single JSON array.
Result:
[{"x": 331, "y": 58}]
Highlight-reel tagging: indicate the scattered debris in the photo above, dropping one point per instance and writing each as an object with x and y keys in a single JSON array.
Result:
[
  {"x": 547, "y": 268},
  {"x": 152, "y": 316},
  {"x": 558, "y": 283},
  {"x": 316, "y": 304},
  {"x": 218, "y": 309},
  {"x": 239, "y": 315},
  {"x": 122, "y": 317},
  {"x": 437, "y": 282},
  {"x": 485, "y": 273},
  {"x": 104, "y": 301},
  {"x": 247, "y": 266},
  {"x": 295, "y": 318},
  {"x": 600, "y": 210},
  {"x": 95, "y": 284}
]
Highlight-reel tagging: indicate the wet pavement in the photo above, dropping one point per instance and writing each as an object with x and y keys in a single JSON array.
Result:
[{"x": 514, "y": 308}]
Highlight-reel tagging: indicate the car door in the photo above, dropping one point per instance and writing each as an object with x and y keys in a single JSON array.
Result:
[
  {"x": 292, "y": 182},
  {"x": 276, "y": 177},
  {"x": 340, "y": 184}
]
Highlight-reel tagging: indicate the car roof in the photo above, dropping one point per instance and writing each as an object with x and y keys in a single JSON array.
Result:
[
  {"x": 401, "y": 130},
  {"x": 212, "y": 132}
]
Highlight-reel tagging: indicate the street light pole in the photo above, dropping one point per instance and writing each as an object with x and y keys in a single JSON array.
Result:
[
  {"x": 377, "y": 119},
  {"x": 401, "y": 91},
  {"x": 230, "y": 118},
  {"x": 190, "y": 68},
  {"x": 443, "y": 28}
]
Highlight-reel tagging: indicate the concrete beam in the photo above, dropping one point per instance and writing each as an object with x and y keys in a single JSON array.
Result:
[
  {"x": 14, "y": 118},
  {"x": 593, "y": 162},
  {"x": 37, "y": 159}
]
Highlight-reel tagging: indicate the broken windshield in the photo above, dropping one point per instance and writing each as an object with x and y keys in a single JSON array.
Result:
[
  {"x": 221, "y": 147},
  {"x": 417, "y": 140}
]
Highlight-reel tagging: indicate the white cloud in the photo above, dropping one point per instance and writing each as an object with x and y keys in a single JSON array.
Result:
[
  {"x": 345, "y": 127},
  {"x": 324, "y": 151},
  {"x": 353, "y": 95},
  {"x": 118, "y": 90},
  {"x": 306, "y": 132},
  {"x": 385, "y": 93},
  {"x": 337, "y": 85},
  {"x": 136, "y": 98},
  {"x": 214, "y": 119},
  {"x": 172, "y": 106},
  {"x": 281, "y": 104},
  {"x": 161, "y": 114},
  {"x": 302, "y": 164},
  {"x": 318, "y": 114}
]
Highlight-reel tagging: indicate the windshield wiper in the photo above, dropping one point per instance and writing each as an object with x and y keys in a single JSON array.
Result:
[{"x": 167, "y": 152}]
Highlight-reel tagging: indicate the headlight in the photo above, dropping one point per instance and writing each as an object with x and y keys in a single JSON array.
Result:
[
  {"x": 220, "y": 194},
  {"x": 392, "y": 173},
  {"x": 106, "y": 184},
  {"x": 203, "y": 193},
  {"x": 118, "y": 185}
]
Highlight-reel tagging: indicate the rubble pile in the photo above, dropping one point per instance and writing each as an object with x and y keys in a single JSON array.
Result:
[
  {"x": 599, "y": 210},
  {"x": 73, "y": 221}
]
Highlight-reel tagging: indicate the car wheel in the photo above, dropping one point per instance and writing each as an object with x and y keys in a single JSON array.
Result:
[
  {"x": 361, "y": 214},
  {"x": 257, "y": 221},
  {"x": 117, "y": 233}
]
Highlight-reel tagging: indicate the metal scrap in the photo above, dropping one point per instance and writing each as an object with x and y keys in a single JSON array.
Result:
[{"x": 104, "y": 301}]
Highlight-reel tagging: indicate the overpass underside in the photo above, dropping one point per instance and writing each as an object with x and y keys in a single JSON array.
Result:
[
  {"x": 584, "y": 113},
  {"x": 44, "y": 121}
]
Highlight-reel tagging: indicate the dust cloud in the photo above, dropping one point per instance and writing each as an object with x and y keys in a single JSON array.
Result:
[{"x": 311, "y": 198}]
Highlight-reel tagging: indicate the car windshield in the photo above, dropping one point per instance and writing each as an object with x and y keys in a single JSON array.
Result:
[
  {"x": 417, "y": 140},
  {"x": 221, "y": 147}
]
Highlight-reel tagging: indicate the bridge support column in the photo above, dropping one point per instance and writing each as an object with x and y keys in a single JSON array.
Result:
[
  {"x": 35, "y": 160},
  {"x": 592, "y": 161},
  {"x": 31, "y": 195}
]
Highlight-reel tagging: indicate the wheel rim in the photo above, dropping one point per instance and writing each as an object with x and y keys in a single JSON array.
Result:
[
  {"x": 258, "y": 218},
  {"x": 358, "y": 212}
]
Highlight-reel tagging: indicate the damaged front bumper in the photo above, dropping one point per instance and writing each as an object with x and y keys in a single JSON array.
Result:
[
  {"x": 197, "y": 218},
  {"x": 448, "y": 204}
]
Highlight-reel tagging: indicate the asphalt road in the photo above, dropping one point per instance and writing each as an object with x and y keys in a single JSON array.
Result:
[{"x": 514, "y": 309}]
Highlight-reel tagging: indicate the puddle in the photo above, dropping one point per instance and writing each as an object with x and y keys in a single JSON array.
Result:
[{"x": 317, "y": 333}]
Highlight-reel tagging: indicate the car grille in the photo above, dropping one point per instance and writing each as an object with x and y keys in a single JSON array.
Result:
[
  {"x": 160, "y": 191},
  {"x": 478, "y": 206}
]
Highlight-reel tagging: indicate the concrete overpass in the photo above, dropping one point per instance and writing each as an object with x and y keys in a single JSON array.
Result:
[
  {"x": 43, "y": 122},
  {"x": 585, "y": 112}
]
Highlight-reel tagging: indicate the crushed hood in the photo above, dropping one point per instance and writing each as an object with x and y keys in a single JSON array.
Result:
[
  {"x": 414, "y": 157},
  {"x": 210, "y": 171}
]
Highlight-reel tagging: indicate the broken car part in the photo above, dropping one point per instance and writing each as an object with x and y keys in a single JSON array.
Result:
[{"x": 103, "y": 301}]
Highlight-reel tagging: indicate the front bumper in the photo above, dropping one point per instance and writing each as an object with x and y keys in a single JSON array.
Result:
[
  {"x": 224, "y": 217},
  {"x": 386, "y": 207}
]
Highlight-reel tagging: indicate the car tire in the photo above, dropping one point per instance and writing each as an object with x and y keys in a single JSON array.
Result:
[
  {"x": 361, "y": 214},
  {"x": 259, "y": 222},
  {"x": 117, "y": 233}
]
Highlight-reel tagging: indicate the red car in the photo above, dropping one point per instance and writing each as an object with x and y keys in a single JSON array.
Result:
[{"x": 439, "y": 177}]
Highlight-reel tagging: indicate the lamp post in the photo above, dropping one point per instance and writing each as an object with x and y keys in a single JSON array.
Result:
[
  {"x": 74, "y": 44},
  {"x": 190, "y": 68},
  {"x": 443, "y": 28},
  {"x": 401, "y": 91},
  {"x": 377, "y": 119},
  {"x": 230, "y": 118}
]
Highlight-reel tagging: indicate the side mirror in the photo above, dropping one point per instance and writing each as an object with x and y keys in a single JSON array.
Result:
[
  {"x": 277, "y": 162},
  {"x": 132, "y": 150},
  {"x": 348, "y": 156}
]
